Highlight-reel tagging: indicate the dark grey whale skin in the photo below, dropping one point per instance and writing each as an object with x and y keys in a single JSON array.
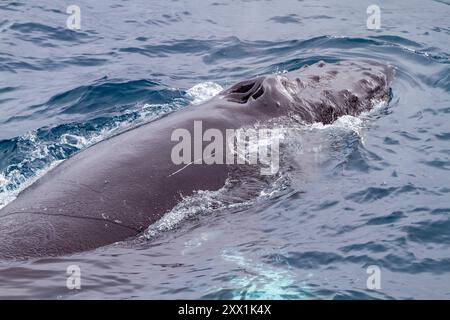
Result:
[{"x": 114, "y": 189}]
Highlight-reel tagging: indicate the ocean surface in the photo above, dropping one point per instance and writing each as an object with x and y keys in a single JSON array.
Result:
[{"x": 372, "y": 190}]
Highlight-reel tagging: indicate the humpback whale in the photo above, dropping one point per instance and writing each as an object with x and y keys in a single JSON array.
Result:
[{"x": 116, "y": 188}]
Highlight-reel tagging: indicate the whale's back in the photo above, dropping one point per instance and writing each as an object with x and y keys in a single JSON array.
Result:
[{"x": 115, "y": 189}]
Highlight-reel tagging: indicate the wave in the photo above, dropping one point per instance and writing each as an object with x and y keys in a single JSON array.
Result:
[{"x": 28, "y": 157}]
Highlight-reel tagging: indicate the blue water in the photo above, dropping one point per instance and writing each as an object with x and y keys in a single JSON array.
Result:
[{"x": 367, "y": 191}]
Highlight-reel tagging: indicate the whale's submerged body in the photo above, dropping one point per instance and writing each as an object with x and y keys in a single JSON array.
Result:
[{"x": 113, "y": 190}]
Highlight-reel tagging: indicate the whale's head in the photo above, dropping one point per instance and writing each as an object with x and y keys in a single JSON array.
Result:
[{"x": 320, "y": 92}]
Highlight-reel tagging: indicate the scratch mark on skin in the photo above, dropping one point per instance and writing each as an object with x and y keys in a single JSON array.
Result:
[
  {"x": 72, "y": 216},
  {"x": 179, "y": 170}
]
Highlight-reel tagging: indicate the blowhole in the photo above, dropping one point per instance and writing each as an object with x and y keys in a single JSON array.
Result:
[
  {"x": 258, "y": 93},
  {"x": 243, "y": 88}
]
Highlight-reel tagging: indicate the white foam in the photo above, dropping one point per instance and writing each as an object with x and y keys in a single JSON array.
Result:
[
  {"x": 202, "y": 202},
  {"x": 203, "y": 91},
  {"x": 73, "y": 140},
  {"x": 206, "y": 202},
  {"x": 348, "y": 122},
  {"x": 345, "y": 122},
  {"x": 19, "y": 183},
  {"x": 2, "y": 179}
]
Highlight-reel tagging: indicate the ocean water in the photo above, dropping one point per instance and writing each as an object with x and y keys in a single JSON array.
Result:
[{"x": 366, "y": 191}]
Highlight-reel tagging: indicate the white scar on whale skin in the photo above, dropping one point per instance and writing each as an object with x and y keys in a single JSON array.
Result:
[{"x": 187, "y": 165}]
